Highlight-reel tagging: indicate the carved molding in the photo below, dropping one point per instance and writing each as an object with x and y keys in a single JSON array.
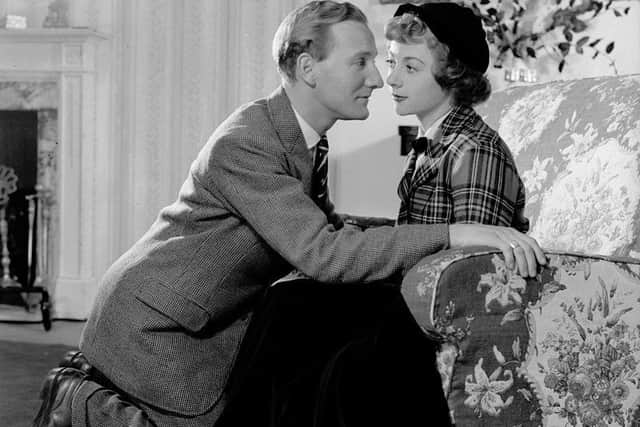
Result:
[
  {"x": 71, "y": 200},
  {"x": 28, "y": 95},
  {"x": 63, "y": 92},
  {"x": 54, "y": 72},
  {"x": 50, "y": 35},
  {"x": 72, "y": 55}
]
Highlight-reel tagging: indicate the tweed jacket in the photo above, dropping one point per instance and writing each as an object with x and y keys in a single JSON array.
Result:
[
  {"x": 468, "y": 175},
  {"x": 171, "y": 312}
]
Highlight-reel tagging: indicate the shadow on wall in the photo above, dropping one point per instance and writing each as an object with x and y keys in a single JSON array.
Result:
[{"x": 366, "y": 179}]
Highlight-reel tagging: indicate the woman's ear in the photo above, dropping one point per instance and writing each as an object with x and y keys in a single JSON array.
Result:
[{"x": 305, "y": 65}]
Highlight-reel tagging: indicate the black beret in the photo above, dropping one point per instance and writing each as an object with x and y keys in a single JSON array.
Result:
[{"x": 457, "y": 27}]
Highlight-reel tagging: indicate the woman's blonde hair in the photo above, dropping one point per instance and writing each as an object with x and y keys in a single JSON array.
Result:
[{"x": 467, "y": 86}]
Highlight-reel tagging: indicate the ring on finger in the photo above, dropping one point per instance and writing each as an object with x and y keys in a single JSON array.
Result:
[{"x": 514, "y": 244}]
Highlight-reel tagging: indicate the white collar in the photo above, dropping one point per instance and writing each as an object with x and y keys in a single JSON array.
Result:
[
  {"x": 311, "y": 137},
  {"x": 433, "y": 129}
]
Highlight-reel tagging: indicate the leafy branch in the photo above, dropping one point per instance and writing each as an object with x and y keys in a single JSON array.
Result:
[
  {"x": 507, "y": 24},
  {"x": 580, "y": 46}
]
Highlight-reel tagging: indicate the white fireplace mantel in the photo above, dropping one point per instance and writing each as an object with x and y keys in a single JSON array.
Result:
[
  {"x": 49, "y": 35},
  {"x": 68, "y": 58},
  {"x": 48, "y": 50}
]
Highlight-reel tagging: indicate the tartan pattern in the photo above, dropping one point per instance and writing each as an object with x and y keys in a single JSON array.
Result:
[{"x": 468, "y": 176}]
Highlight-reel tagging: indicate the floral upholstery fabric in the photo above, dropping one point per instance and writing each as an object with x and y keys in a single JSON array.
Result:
[
  {"x": 577, "y": 147},
  {"x": 559, "y": 350},
  {"x": 563, "y": 349}
]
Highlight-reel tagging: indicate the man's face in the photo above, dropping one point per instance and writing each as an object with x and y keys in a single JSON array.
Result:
[
  {"x": 348, "y": 75},
  {"x": 413, "y": 87}
]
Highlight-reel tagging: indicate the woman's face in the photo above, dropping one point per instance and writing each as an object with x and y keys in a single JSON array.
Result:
[{"x": 413, "y": 87}]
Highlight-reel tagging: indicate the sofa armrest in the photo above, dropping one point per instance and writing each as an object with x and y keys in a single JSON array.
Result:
[{"x": 532, "y": 352}]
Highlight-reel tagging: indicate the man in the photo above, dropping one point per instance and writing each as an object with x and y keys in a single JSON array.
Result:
[{"x": 171, "y": 314}]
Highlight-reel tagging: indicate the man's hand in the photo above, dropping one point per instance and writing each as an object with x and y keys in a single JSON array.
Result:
[{"x": 519, "y": 249}]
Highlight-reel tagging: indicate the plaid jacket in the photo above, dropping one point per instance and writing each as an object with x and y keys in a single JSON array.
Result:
[{"x": 468, "y": 176}]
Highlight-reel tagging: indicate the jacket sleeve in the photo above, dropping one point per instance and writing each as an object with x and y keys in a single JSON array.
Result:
[
  {"x": 253, "y": 177},
  {"x": 332, "y": 216},
  {"x": 484, "y": 185}
]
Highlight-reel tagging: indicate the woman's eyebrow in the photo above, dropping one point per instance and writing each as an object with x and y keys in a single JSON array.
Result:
[{"x": 415, "y": 58}]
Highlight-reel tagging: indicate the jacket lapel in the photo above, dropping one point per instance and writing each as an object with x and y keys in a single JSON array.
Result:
[
  {"x": 290, "y": 134},
  {"x": 404, "y": 187},
  {"x": 405, "y": 182},
  {"x": 429, "y": 167},
  {"x": 447, "y": 133}
]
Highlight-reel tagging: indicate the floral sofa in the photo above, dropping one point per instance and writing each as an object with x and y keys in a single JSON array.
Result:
[
  {"x": 562, "y": 349},
  {"x": 577, "y": 147}
]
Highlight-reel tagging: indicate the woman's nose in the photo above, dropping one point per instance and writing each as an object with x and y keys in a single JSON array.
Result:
[{"x": 392, "y": 79}]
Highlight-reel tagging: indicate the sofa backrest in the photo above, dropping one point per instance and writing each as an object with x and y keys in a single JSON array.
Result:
[{"x": 577, "y": 147}]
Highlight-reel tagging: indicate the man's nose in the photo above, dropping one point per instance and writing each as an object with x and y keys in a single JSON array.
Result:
[{"x": 375, "y": 79}]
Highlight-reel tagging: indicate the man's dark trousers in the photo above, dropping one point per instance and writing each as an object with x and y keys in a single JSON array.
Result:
[{"x": 323, "y": 355}]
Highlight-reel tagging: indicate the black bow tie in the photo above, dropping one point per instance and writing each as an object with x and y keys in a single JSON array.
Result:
[{"x": 421, "y": 144}]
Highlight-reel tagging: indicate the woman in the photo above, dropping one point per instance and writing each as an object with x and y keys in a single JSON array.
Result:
[{"x": 459, "y": 170}]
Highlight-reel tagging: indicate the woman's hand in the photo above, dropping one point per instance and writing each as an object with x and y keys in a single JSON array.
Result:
[{"x": 519, "y": 249}]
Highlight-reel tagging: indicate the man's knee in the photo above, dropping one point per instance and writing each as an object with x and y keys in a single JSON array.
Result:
[{"x": 99, "y": 406}]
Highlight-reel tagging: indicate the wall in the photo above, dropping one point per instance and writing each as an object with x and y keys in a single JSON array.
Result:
[
  {"x": 180, "y": 67},
  {"x": 366, "y": 155}
]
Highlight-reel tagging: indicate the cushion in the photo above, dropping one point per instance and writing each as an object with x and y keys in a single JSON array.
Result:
[
  {"x": 577, "y": 147},
  {"x": 558, "y": 350}
]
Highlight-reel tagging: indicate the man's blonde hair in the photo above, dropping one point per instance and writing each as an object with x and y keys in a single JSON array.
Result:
[{"x": 306, "y": 29}]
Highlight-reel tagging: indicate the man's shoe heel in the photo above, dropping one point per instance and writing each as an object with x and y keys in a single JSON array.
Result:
[
  {"x": 56, "y": 395},
  {"x": 76, "y": 359}
]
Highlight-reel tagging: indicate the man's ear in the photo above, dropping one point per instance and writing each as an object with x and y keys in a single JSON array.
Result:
[{"x": 305, "y": 65}]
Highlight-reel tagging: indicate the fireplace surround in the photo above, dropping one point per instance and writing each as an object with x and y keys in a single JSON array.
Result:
[{"x": 53, "y": 71}]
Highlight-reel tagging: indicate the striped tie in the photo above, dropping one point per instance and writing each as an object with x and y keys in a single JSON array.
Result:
[{"x": 320, "y": 172}]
